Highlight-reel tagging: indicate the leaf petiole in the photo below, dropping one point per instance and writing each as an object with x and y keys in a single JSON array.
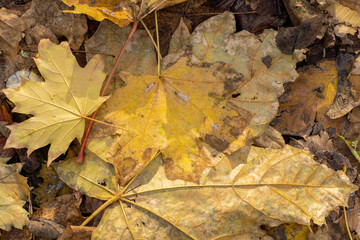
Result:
[{"x": 104, "y": 123}]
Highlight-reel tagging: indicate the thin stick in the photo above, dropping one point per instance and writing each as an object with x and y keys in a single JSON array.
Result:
[
  {"x": 104, "y": 123},
  {"x": 81, "y": 153},
  {"x": 151, "y": 37},
  {"x": 157, "y": 41},
  {"x": 347, "y": 224},
  {"x": 235, "y": 13}
]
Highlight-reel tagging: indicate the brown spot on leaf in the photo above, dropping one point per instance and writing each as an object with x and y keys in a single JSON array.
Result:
[
  {"x": 127, "y": 165},
  {"x": 267, "y": 61},
  {"x": 216, "y": 142},
  {"x": 146, "y": 156}
]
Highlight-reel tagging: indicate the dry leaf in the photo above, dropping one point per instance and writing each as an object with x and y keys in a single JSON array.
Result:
[
  {"x": 119, "y": 12},
  {"x": 11, "y": 30},
  {"x": 344, "y": 14},
  {"x": 13, "y": 194},
  {"x": 139, "y": 56},
  {"x": 308, "y": 99},
  {"x": 224, "y": 105},
  {"x": 59, "y": 104},
  {"x": 45, "y": 18},
  {"x": 233, "y": 198}
]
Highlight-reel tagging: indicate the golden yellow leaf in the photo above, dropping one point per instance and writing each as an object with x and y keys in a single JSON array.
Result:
[
  {"x": 170, "y": 113},
  {"x": 118, "y": 11},
  {"x": 59, "y": 104},
  {"x": 344, "y": 14},
  {"x": 309, "y": 99},
  {"x": 13, "y": 194},
  {"x": 257, "y": 186},
  {"x": 223, "y": 105}
]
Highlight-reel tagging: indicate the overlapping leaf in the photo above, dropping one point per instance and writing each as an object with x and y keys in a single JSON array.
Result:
[
  {"x": 118, "y": 11},
  {"x": 13, "y": 194},
  {"x": 59, "y": 104},
  {"x": 309, "y": 99},
  {"x": 262, "y": 186},
  {"x": 223, "y": 105}
]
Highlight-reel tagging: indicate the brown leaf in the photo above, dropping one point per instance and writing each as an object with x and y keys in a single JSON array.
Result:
[
  {"x": 49, "y": 14},
  {"x": 11, "y": 30}
]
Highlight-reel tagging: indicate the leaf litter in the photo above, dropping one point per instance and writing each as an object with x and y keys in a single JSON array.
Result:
[{"x": 293, "y": 182}]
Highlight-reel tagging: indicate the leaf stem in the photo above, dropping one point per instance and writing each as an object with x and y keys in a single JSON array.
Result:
[
  {"x": 81, "y": 153},
  {"x": 151, "y": 37},
  {"x": 157, "y": 43},
  {"x": 102, "y": 207},
  {"x": 104, "y": 123}
]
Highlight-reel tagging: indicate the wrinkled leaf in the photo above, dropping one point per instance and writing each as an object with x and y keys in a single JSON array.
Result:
[
  {"x": 119, "y": 12},
  {"x": 13, "y": 194},
  {"x": 59, "y": 104},
  {"x": 265, "y": 186}
]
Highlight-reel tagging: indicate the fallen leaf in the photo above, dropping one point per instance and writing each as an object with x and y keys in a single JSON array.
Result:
[
  {"x": 11, "y": 30},
  {"x": 345, "y": 99},
  {"x": 59, "y": 104},
  {"x": 119, "y": 12},
  {"x": 139, "y": 56},
  {"x": 300, "y": 37},
  {"x": 171, "y": 113},
  {"x": 353, "y": 4},
  {"x": 308, "y": 99},
  {"x": 14, "y": 192},
  {"x": 272, "y": 187},
  {"x": 224, "y": 105},
  {"x": 344, "y": 14},
  {"x": 45, "y": 18},
  {"x": 354, "y": 217}
]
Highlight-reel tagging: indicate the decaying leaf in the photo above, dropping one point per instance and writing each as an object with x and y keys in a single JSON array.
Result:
[
  {"x": 119, "y": 12},
  {"x": 59, "y": 104},
  {"x": 345, "y": 99},
  {"x": 13, "y": 194},
  {"x": 222, "y": 92},
  {"x": 266, "y": 186},
  {"x": 308, "y": 99},
  {"x": 344, "y": 14},
  {"x": 44, "y": 19},
  {"x": 11, "y": 28}
]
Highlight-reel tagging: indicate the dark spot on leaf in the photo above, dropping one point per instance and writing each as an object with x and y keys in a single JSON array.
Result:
[
  {"x": 147, "y": 154},
  {"x": 235, "y": 95},
  {"x": 216, "y": 142},
  {"x": 267, "y": 61},
  {"x": 319, "y": 92},
  {"x": 103, "y": 183},
  {"x": 127, "y": 165}
]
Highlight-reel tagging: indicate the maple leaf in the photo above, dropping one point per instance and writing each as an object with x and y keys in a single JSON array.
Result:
[
  {"x": 255, "y": 186},
  {"x": 118, "y": 11},
  {"x": 223, "y": 105},
  {"x": 60, "y": 104},
  {"x": 13, "y": 194}
]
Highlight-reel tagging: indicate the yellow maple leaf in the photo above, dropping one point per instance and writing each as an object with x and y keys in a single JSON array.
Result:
[
  {"x": 60, "y": 104},
  {"x": 118, "y": 11},
  {"x": 171, "y": 113}
]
